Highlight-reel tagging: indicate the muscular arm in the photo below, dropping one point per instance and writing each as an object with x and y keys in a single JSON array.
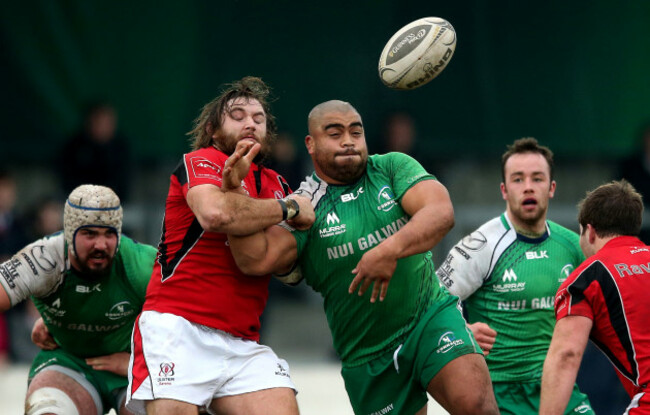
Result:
[
  {"x": 273, "y": 250},
  {"x": 562, "y": 363},
  {"x": 227, "y": 210},
  {"x": 230, "y": 212},
  {"x": 432, "y": 216}
]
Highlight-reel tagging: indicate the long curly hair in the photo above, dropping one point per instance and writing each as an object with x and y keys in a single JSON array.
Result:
[{"x": 211, "y": 117}]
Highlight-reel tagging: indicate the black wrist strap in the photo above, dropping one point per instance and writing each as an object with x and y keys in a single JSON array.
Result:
[{"x": 283, "y": 205}]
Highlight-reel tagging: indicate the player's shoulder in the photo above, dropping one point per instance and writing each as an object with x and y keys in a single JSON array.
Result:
[
  {"x": 130, "y": 249},
  {"x": 561, "y": 231},
  {"x": 479, "y": 246},
  {"x": 136, "y": 259},
  {"x": 313, "y": 188},
  {"x": 205, "y": 154},
  {"x": 53, "y": 244},
  {"x": 494, "y": 229},
  {"x": 388, "y": 160},
  {"x": 566, "y": 237},
  {"x": 486, "y": 239},
  {"x": 393, "y": 155}
]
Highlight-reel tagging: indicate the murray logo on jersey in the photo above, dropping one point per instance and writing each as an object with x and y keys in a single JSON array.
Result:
[
  {"x": 509, "y": 283},
  {"x": 334, "y": 226}
]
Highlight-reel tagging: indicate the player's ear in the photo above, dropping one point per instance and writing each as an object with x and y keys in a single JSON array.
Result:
[
  {"x": 209, "y": 129},
  {"x": 309, "y": 143},
  {"x": 504, "y": 191},
  {"x": 591, "y": 233},
  {"x": 551, "y": 191}
]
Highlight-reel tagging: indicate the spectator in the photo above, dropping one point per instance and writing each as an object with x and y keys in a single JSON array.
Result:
[
  {"x": 46, "y": 217},
  {"x": 286, "y": 161},
  {"x": 13, "y": 233},
  {"x": 98, "y": 153},
  {"x": 399, "y": 133}
]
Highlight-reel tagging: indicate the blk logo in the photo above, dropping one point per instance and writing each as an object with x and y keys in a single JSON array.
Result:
[{"x": 348, "y": 197}]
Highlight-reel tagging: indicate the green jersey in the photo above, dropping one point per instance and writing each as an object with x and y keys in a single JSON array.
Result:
[
  {"x": 509, "y": 281},
  {"x": 350, "y": 220},
  {"x": 86, "y": 317}
]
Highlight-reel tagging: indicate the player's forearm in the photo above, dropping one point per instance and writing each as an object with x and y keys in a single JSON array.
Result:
[
  {"x": 423, "y": 231},
  {"x": 559, "y": 376},
  {"x": 236, "y": 214},
  {"x": 249, "y": 252}
]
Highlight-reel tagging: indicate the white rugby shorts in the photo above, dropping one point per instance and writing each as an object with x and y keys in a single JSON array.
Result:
[{"x": 176, "y": 359}]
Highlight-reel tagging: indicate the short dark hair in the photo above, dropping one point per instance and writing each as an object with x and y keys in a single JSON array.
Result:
[
  {"x": 526, "y": 145},
  {"x": 211, "y": 117},
  {"x": 613, "y": 209}
]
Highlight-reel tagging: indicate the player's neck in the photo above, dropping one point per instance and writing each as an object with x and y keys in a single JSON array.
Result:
[
  {"x": 529, "y": 230},
  {"x": 530, "y": 233}
]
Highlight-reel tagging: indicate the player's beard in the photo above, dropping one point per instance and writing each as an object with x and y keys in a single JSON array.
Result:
[
  {"x": 227, "y": 143},
  {"x": 95, "y": 273},
  {"x": 531, "y": 219},
  {"x": 344, "y": 171}
]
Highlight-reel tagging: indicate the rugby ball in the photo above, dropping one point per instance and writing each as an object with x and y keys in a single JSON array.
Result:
[{"x": 417, "y": 53}]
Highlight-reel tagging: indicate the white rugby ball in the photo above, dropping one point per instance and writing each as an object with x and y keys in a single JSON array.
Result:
[{"x": 417, "y": 53}]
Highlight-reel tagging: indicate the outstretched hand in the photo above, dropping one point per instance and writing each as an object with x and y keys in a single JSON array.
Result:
[
  {"x": 117, "y": 363},
  {"x": 238, "y": 164}
]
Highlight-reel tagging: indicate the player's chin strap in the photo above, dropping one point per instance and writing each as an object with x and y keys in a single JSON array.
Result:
[{"x": 50, "y": 401}]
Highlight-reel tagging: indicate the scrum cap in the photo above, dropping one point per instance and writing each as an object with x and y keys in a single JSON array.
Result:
[{"x": 91, "y": 205}]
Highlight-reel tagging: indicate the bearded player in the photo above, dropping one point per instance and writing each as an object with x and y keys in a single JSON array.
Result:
[
  {"x": 88, "y": 283},
  {"x": 196, "y": 343}
]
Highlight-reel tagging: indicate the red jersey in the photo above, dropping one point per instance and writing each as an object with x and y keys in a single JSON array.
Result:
[
  {"x": 611, "y": 288},
  {"x": 195, "y": 275}
]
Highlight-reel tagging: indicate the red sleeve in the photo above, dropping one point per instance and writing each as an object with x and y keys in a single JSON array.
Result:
[
  {"x": 572, "y": 300},
  {"x": 201, "y": 170}
]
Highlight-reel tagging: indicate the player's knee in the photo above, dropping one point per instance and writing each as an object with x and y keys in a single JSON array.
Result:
[
  {"x": 481, "y": 402},
  {"x": 50, "y": 401},
  {"x": 481, "y": 406}
]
